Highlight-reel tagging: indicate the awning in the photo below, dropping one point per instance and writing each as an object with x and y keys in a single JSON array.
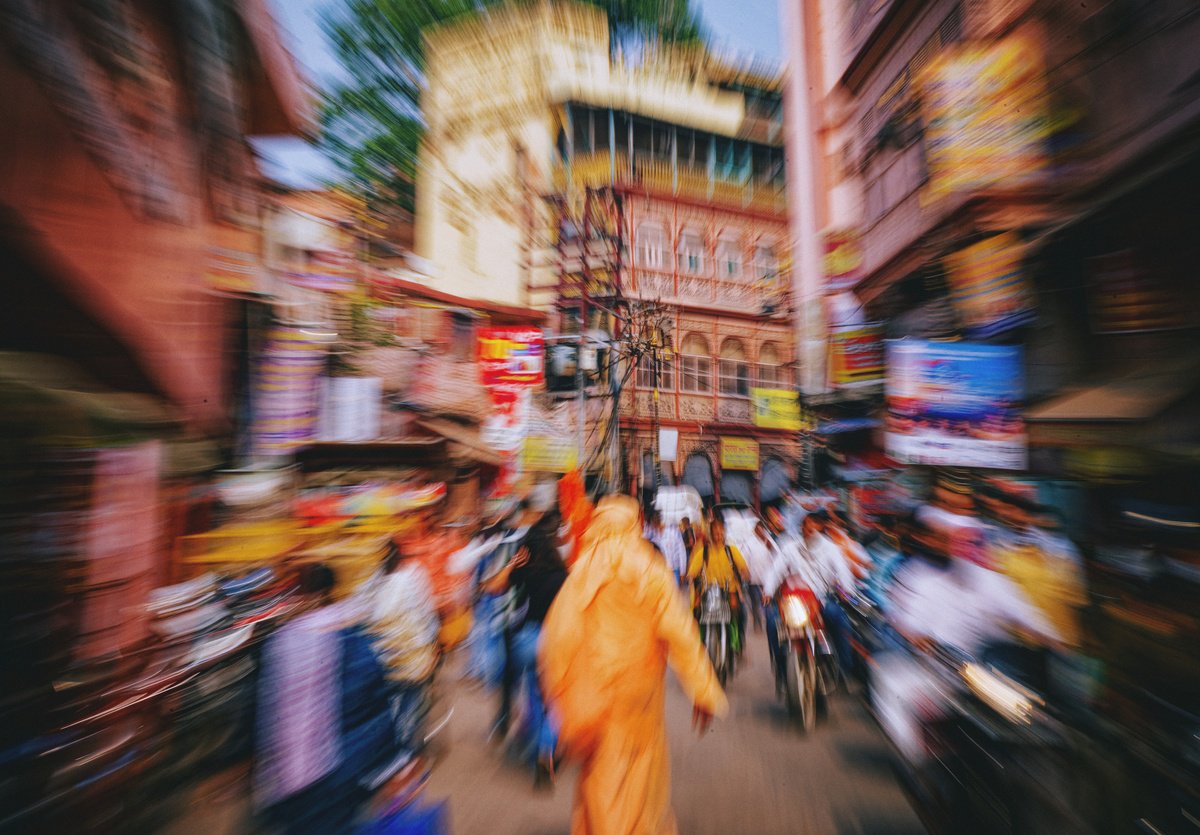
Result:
[
  {"x": 1113, "y": 410},
  {"x": 468, "y": 442}
]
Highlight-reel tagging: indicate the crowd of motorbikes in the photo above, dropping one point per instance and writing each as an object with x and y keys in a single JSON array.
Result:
[{"x": 1004, "y": 748}]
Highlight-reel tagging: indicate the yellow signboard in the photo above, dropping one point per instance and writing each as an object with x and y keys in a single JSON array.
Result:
[
  {"x": 542, "y": 454},
  {"x": 739, "y": 454},
  {"x": 776, "y": 409}
]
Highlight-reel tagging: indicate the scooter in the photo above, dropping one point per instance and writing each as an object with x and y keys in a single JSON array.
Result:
[
  {"x": 997, "y": 758},
  {"x": 808, "y": 666},
  {"x": 716, "y": 620}
]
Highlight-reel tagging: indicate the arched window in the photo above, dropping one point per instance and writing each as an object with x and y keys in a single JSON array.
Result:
[
  {"x": 698, "y": 474},
  {"x": 771, "y": 372},
  {"x": 733, "y": 370},
  {"x": 729, "y": 257},
  {"x": 691, "y": 252},
  {"x": 695, "y": 365},
  {"x": 651, "y": 241}
]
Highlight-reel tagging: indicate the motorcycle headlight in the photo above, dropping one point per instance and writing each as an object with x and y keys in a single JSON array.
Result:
[
  {"x": 794, "y": 612},
  {"x": 1000, "y": 694}
]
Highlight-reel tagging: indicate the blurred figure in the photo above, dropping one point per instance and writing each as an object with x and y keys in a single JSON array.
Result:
[
  {"x": 940, "y": 601},
  {"x": 404, "y": 624},
  {"x": 715, "y": 562},
  {"x": 837, "y": 577},
  {"x": 760, "y": 557},
  {"x": 1048, "y": 568},
  {"x": 535, "y": 575},
  {"x": 606, "y": 642},
  {"x": 688, "y": 534},
  {"x": 324, "y": 719},
  {"x": 670, "y": 542},
  {"x": 510, "y": 613}
]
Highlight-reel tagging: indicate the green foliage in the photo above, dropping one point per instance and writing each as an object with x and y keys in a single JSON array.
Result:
[{"x": 370, "y": 120}]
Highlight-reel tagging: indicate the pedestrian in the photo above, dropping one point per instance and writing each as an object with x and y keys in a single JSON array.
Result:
[
  {"x": 404, "y": 626},
  {"x": 687, "y": 533},
  {"x": 535, "y": 574},
  {"x": 324, "y": 720},
  {"x": 605, "y": 645},
  {"x": 669, "y": 542}
]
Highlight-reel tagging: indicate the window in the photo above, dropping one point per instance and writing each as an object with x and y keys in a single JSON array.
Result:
[
  {"x": 646, "y": 375},
  {"x": 695, "y": 365},
  {"x": 729, "y": 257},
  {"x": 771, "y": 373},
  {"x": 650, "y": 245},
  {"x": 691, "y": 252},
  {"x": 766, "y": 265},
  {"x": 733, "y": 370}
]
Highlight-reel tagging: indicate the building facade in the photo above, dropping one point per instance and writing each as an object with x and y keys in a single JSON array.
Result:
[{"x": 602, "y": 185}]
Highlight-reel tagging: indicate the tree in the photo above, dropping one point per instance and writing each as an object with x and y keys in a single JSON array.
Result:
[{"x": 371, "y": 121}]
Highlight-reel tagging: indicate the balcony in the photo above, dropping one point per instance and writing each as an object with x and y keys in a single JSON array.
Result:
[
  {"x": 746, "y": 296},
  {"x": 656, "y": 175}
]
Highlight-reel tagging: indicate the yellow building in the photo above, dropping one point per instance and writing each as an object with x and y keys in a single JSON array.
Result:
[{"x": 529, "y": 111}]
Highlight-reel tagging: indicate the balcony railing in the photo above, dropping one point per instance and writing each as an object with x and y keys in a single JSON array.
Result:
[{"x": 655, "y": 174}]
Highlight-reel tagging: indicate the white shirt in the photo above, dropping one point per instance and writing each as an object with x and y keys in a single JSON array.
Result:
[
  {"x": 830, "y": 561},
  {"x": 670, "y": 541},
  {"x": 760, "y": 556},
  {"x": 964, "y": 605},
  {"x": 791, "y": 559}
]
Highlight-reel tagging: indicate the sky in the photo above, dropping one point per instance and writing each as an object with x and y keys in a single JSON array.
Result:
[{"x": 748, "y": 28}]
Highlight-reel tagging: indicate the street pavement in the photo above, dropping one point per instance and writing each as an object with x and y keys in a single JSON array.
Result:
[{"x": 753, "y": 774}]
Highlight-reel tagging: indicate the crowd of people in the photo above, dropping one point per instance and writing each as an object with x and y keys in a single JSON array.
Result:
[{"x": 572, "y": 626}]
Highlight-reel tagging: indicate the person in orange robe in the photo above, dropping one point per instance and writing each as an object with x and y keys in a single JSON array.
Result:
[{"x": 606, "y": 641}]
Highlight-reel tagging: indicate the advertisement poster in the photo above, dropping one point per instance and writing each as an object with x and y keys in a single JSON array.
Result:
[
  {"x": 856, "y": 355},
  {"x": 512, "y": 357},
  {"x": 287, "y": 390},
  {"x": 988, "y": 286},
  {"x": 985, "y": 114},
  {"x": 776, "y": 409},
  {"x": 843, "y": 259},
  {"x": 546, "y": 454},
  {"x": 739, "y": 454},
  {"x": 955, "y": 404}
]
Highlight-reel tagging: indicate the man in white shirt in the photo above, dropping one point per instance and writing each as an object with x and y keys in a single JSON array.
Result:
[
  {"x": 949, "y": 602},
  {"x": 669, "y": 541}
]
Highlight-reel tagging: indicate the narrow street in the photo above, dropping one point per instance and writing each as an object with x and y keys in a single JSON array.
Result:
[{"x": 752, "y": 774}]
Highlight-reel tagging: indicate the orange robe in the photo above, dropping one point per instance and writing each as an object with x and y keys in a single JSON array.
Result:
[{"x": 606, "y": 642}]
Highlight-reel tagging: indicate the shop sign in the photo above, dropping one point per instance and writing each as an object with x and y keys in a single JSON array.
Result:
[
  {"x": 955, "y": 404},
  {"x": 512, "y": 356},
  {"x": 546, "y": 454},
  {"x": 843, "y": 259},
  {"x": 739, "y": 454},
  {"x": 776, "y": 409},
  {"x": 856, "y": 355},
  {"x": 988, "y": 286},
  {"x": 985, "y": 114}
]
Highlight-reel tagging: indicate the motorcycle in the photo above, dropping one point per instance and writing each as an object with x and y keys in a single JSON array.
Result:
[
  {"x": 997, "y": 758},
  {"x": 808, "y": 670},
  {"x": 716, "y": 623}
]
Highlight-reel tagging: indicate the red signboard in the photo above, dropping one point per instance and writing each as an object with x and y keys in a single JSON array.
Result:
[
  {"x": 856, "y": 355},
  {"x": 512, "y": 357}
]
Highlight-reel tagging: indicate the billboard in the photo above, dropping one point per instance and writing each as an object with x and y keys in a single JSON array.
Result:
[
  {"x": 988, "y": 286},
  {"x": 955, "y": 404},
  {"x": 512, "y": 356},
  {"x": 739, "y": 454},
  {"x": 856, "y": 355},
  {"x": 843, "y": 259},
  {"x": 776, "y": 409},
  {"x": 985, "y": 114}
]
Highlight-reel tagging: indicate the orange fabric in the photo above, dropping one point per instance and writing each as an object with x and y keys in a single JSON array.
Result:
[
  {"x": 616, "y": 623},
  {"x": 576, "y": 510}
]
